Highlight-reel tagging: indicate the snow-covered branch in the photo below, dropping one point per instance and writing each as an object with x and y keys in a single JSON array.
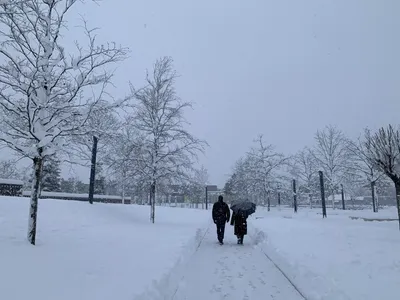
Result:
[
  {"x": 42, "y": 89},
  {"x": 48, "y": 95},
  {"x": 168, "y": 149}
]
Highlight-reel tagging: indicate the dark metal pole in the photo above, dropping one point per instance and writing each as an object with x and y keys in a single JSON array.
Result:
[
  {"x": 206, "y": 198},
  {"x": 373, "y": 196},
  {"x": 343, "y": 205},
  {"x": 92, "y": 170},
  {"x": 321, "y": 182},
  {"x": 294, "y": 196},
  {"x": 279, "y": 198}
]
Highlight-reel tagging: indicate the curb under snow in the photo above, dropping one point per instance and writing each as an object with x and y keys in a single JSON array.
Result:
[
  {"x": 166, "y": 287},
  {"x": 312, "y": 286}
]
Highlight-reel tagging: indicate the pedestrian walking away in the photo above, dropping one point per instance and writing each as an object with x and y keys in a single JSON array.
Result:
[
  {"x": 241, "y": 211},
  {"x": 221, "y": 215},
  {"x": 240, "y": 221}
]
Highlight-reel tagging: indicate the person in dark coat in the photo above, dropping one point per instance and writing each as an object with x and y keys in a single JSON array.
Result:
[
  {"x": 240, "y": 229},
  {"x": 221, "y": 215}
]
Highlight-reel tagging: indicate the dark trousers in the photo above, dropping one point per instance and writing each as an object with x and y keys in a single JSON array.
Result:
[
  {"x": 220, "y": 231},
  {"x": 240, "y": 239}
]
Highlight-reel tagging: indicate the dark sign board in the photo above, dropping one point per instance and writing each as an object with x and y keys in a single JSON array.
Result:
[{"x": 212, "y": 188}]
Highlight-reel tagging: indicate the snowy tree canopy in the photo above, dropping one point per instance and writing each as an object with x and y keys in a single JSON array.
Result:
[
  {"x": 105, "y": 125},
  {"x": 8, "y": 169},
  {"x": 383, "y": 149},
  {"x": 42, "y": 99},
  {"x": 51, "y": 177},
  {"x": 167, "y": 149},
  {"x": 256, "y": 173},
  {"x": 304, "y": 168},
  {"x": 42, "y": 88},
  {"x": 332, "y": 156}
]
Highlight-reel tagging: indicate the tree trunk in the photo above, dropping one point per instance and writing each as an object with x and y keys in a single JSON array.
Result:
[
  {"x": 152, "y": 201},
  {"x": 310, "y": 197},
  {"x": 397, "y": 186},
  {"x": 376, "y": 199},
  {"x": 37, "y": 165}
]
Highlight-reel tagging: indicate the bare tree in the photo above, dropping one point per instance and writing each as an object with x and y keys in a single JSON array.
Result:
[
  {"x": 42, "y": 88},
  {"x": 239, "y": 185},
  {"x": 305, "y": 169},
  {"x": 353, "y": 183},
  {"x": 195, "y": 185},
  {"x": 168, "y": 148},
  {"x": 255, "y": 174},
  {"x": 200, "y": 180},
  {"x": 121, "y": 157},
  {"x": 332, "y": 156},
  {"x": 383, "y": 149},
  {"x": 362, "y": 163},
  {"x": 264, "y": 161},
  {"x": 102, "y": 124},
  {"x": 8, "y": 169}
]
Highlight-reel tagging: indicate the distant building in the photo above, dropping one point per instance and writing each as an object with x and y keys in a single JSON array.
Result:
[
  {"x": 176, "y": 193},
  {"x": 11, "y": 187}
]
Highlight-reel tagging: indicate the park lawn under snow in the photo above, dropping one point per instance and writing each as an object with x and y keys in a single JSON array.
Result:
[
  {"x": 334, "y": 258},
  {"x": 92, "y": 252}
]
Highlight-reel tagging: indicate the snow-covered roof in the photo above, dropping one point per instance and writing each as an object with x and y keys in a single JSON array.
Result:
[
  {"x": 11, "y": 181},
  {"x": 73, "y": 195}
]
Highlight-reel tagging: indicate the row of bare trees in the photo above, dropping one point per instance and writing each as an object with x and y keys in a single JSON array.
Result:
[
  {"x": 372, "y": 160},
  {"x": 55, "y": 101}
]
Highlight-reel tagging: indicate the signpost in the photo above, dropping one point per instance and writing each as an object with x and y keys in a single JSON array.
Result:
[{"x": 210, "y": 188}]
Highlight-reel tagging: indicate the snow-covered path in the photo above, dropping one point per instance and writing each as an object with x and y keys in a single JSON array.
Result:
[{"x": 232, "y": 272}]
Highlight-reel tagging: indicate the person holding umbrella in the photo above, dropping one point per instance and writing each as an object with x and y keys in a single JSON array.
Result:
[
  {"x": 221, "y": 215},
  {"x": 241, "y": 211}
]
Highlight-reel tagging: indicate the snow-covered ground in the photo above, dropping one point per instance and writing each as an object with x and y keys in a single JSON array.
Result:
[
  {"x": 334, "y": 258},
  {"x": 112, "y": 251},
  {"x": 231, "y": 271},
  {"x": 93, "y": 252}
]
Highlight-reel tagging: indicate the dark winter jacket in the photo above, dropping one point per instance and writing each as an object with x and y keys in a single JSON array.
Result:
[
  {"x": 240, "y": 223},
  {"x": 221, "y": 212}
]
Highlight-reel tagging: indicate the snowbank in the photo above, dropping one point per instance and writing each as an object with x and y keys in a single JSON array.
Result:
[
  {"x": 93, "y": 252},
  {"x": 334, "y": 258}
]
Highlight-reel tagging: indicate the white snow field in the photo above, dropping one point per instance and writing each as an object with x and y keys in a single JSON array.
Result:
[
  {"x": 337, "y": 257},
  {"x": 92, "y": 252},
  {"x": 112, "y": 251}
]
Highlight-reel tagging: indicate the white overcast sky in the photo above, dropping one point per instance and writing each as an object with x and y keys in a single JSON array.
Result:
[{"x": 284, "y": 68}]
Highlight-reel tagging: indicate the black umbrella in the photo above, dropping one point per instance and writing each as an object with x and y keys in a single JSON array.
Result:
[{"x": 243, "y": 207}]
